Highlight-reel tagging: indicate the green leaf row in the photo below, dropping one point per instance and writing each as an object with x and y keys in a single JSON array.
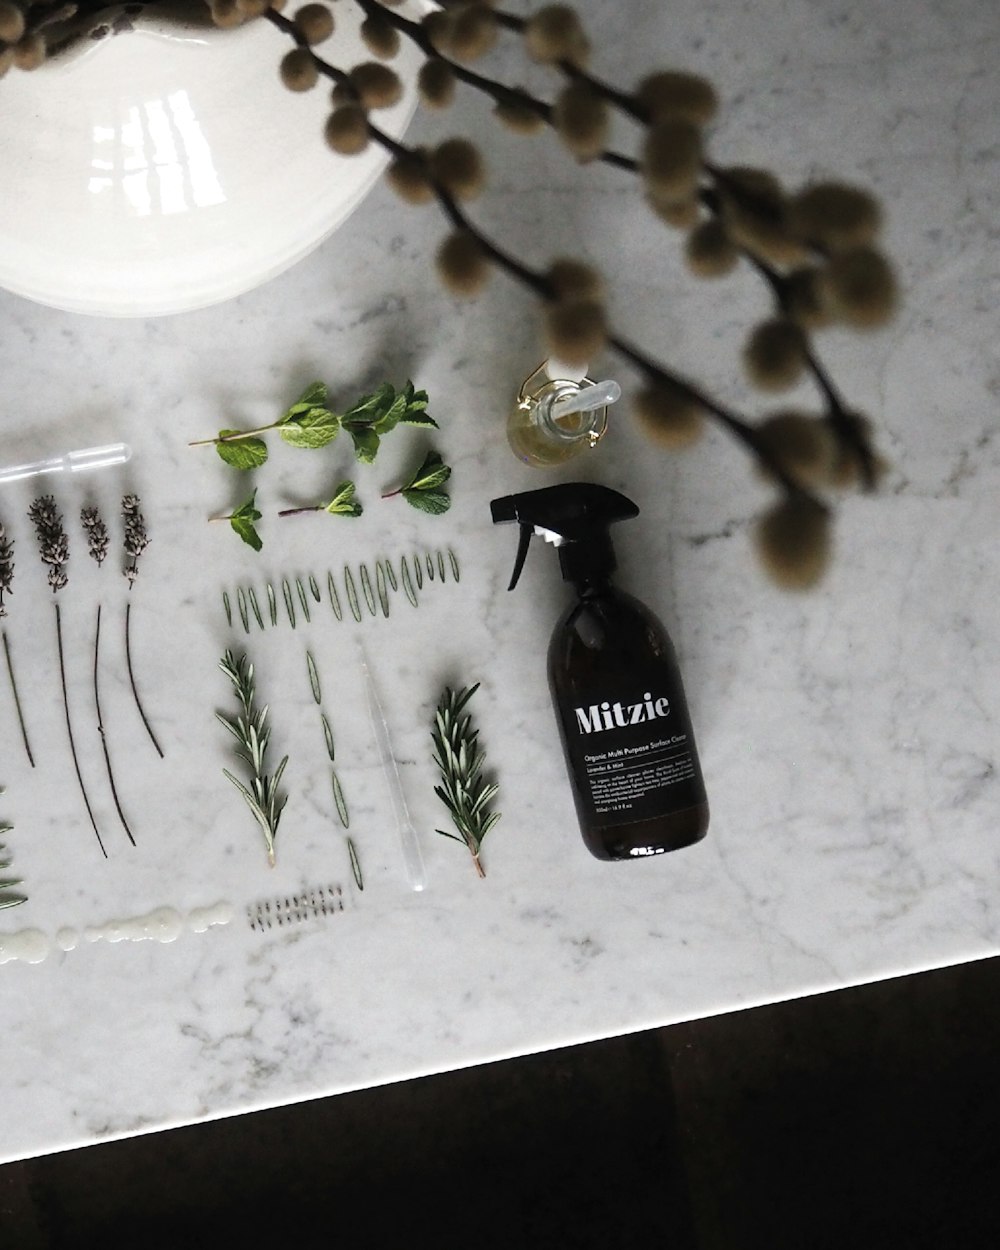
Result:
[
  {"x": 375, "y": 594},
  {"x": 311, "y": 423}
]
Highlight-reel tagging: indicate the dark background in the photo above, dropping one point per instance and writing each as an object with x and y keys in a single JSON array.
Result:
[{"x": 867, "y": 1118}]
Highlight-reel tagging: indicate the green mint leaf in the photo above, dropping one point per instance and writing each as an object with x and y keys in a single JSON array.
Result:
[
  {"x": 315, "y": 427},
  {"x": 416, "y": 417},
  {"x": 389, "y": 418},
  {"x": 343, "y": 502},
  {"x": 242, "y": 521},
  {"x": 416, "y": 405},
  {"x": 365, "y": 442},
  {"x": 314, "y": 396},
  {"x": 433, "y": 501},
  {"x": 370, "y": 408},
  {"x": 243, "y": 453},
  {"x": 431, "y": 474}
]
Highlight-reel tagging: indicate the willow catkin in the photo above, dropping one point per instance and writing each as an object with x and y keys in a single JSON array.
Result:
[
  {"x": 575, "y": 330},
  {"x": 314, "y": 22},
  {"x": 376, "y": 85},
  {"x": 458, "y": 166},
  {"x": 793, "y": 542},
  {"x": 671, "y": 159},
  {"x": 834, "y": 215},
  {"x": 436, "y": 83},
  {"x": 380, "y": 37},
  {"x": 462, "y": 264},
  {"x": 668, "y": 415},
  {"x": 801, "y": 445},
  {"x": 710, "y": 251},
  {"x": 671, "y": 93},
  {"x": 408, "y": 177},
  {"x": 520, "y": 118},
  {"x": 775, "y": 354},
  {"x": 473, "y": 32},
  {"x": 555, "y": 34},
  {"x": 859, "y": 288},
  {"x": 581, "y": 119},
  {"x": 298, "y": 70},
  {"x": 11, "y": 22},
  {"x": 346, "y": 130},
  {"x": 574, "y": 279}
]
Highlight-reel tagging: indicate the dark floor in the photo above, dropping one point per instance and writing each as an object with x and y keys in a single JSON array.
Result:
[{"x": 859, "y": 1120}]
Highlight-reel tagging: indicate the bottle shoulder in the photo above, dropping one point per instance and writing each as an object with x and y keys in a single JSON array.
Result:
[{"x": 607, "y": 629}]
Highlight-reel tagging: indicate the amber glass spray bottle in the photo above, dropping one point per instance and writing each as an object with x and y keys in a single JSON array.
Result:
[{"x": 623, "y": 718}]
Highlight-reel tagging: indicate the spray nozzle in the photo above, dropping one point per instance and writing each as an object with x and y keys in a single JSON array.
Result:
[{"x": 575, "y": 517}]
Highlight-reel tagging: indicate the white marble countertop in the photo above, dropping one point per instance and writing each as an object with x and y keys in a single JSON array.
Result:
[{"x": 848, "y": 738}]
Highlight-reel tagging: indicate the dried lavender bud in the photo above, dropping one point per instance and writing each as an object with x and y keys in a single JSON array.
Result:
[
  {"x": 97, "y": 533},
  {"x": 136, "y": 538},
  {"x": 6, "y": 567},
  {"x": 53, "y": 544}
]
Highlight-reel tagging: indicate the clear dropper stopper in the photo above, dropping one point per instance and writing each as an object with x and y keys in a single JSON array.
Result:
[{"x": 71, "y": 462}]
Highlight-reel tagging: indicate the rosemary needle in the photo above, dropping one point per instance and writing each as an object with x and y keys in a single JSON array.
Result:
[
  {"x": 454, "y": 564},
  {"x": 440, "y": 560},
  {"x": 286, "y": 590},
  {"x": 314, "y": 589},
  {"x": 302, "y": 598},
  {"x": 383, "y": 594},
  {"x": 313, "y": 677},
  {"x": 255, "y": 606},
  {"x": 334, "y": 597},
  {"x": 272, "y": 604},
  {"x": 228, "y": 607},
  {"x": 366, "y": 587},
  {"x": 404, "y": 573},
  {"x": 391, "y": 575},
  {"x": 241, "y": 603},
  {"x": 352, "y": 594}
]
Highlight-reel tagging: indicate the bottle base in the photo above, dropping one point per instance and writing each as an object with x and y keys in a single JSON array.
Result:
[{"x": 647, "y": 838}]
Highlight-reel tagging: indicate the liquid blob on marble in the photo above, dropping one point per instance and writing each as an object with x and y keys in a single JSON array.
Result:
[{"x": 162, "y": 924}]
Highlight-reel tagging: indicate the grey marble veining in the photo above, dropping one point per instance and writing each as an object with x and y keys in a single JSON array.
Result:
[{"x": 848, "y": 738}]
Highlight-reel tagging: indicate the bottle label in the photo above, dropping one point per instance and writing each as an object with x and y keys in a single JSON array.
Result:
[{"x": 633, "y": 758}]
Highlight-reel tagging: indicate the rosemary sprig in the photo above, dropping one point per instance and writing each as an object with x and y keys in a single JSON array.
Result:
[
  {"x": 460, "y": 761},
  {"x": 252, "y": 733}
]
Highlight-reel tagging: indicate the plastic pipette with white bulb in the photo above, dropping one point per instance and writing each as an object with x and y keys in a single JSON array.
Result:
[{"x": 72, "y": 462}]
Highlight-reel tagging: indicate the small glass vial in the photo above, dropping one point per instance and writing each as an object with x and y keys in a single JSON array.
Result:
[{"x": 541, "y": 437}]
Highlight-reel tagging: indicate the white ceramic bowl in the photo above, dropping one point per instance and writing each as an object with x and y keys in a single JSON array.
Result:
[{"x": 165, "y": 167}]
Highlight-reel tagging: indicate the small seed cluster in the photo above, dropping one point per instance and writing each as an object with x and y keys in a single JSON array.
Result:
[{"x": 300, "y": 598}]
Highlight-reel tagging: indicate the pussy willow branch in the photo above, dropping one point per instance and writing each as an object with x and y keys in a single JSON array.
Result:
[
  {"x": 537, "y": 283},
  {"x": 501, "y": 93}
]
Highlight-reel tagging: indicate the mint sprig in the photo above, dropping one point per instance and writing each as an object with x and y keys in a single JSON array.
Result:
[
  {"x": 310, "y": 423},
  {"x": 343, "y": 503},
  {"x": 243, "y": 521},
  {"x": 423, "y": 490}
]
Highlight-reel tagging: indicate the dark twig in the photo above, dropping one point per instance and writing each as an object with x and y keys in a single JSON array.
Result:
[
  {"x": 17, "y": 699},
  {"x": 69, "y": 732},
  {"x": 131, "y": 679},
  {"x": 100, "y": 729}
]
